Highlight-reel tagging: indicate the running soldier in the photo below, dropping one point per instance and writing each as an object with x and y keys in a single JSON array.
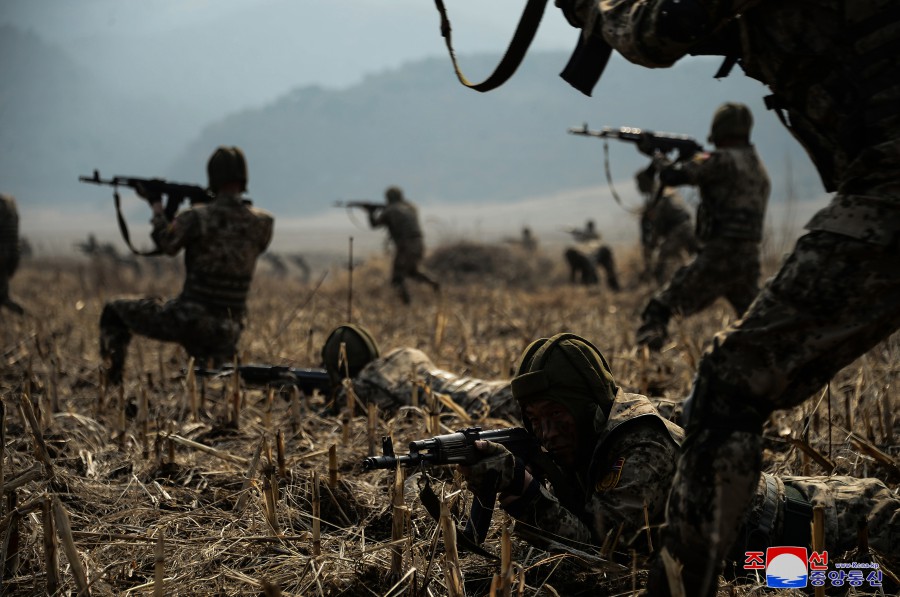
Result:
[
  {"x": 734, "y": 191},
  {"x": 9, "y": 250},
  {"x": 401, "y": 218},
  {"x": 832, "y": 67},
  {"x": 667, "y": 233},
  {"x": 222, "y": 241}
]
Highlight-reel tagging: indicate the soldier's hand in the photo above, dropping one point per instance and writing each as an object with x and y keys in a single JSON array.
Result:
[
  {"x": 152, "y": 198},
  {"x": 507, "y": 473}
]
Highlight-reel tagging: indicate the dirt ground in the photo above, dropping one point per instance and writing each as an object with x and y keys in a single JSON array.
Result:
[{"x": 158, "y": 486}]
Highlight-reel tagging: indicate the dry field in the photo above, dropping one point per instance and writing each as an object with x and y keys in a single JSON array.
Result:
[{"x": 177, "y": 486}]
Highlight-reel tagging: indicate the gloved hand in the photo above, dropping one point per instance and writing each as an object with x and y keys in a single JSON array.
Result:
[
  {"x": 152, "y": 198},
  {"x": 498, "y": 466}
]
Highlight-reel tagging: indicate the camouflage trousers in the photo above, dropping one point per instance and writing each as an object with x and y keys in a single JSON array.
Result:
[
  {"x": 407, "y": 262},
  {"x": 205, "y": 334},
  {"x": 833, "y": 299},
  {"x": 722, "y": 268},
  {"x": 388, "y": 383},
  {"x": 678, "y": 244}
]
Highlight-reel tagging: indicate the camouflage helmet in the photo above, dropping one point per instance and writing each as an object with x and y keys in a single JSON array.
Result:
[
  {"x": 227, "y": 164},
  {"x": 731, "y": 120},
  {"x": 571, "y": 371},
  {"x": 359, "y": 345},
  {"x": 393, "y": 194}
]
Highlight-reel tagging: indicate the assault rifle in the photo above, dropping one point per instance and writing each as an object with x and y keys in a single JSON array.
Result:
[
  {"x": 307, "y": 380},
  {"x": 155, "y": 188},
  {"x": 366, "y": 205},
  {"x": 459, "y": 448},
  {"x": 648, "y": 142}
]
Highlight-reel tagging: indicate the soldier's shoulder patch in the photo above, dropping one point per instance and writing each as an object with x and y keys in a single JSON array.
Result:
[{"x": 611, "y": 478}]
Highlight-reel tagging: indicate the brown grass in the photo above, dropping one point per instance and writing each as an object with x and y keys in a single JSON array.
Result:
[{"x": 145, "y": 507}]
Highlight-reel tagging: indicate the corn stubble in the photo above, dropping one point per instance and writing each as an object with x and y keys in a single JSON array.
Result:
[{"x": 172, "y": 487}]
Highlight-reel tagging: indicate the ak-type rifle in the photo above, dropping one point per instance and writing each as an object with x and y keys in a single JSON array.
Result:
[
  {"x": 151, "y": 189},
  {"x": 648, "y": 142},
  {"x": 459, "y": 448},
  {"x": 366, "y": 205}
]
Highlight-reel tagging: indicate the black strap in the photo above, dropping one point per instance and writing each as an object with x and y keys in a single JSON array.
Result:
[
  {"x": 123, "y": 228},
  {"x": 522, "y": 38},
  {"x": 432, "y": 505}
]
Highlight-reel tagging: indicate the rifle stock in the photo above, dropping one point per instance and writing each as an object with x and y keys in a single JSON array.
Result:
[{"x": 308, "y": 380}]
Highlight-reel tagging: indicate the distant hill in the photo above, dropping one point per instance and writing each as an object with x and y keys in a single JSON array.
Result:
[{"x": 414, "y": 126}]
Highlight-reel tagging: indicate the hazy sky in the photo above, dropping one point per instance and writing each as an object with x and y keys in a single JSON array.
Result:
[{"x": 387, "y": 32}]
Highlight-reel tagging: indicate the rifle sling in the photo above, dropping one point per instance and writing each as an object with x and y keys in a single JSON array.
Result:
[
  {"x": 123, "y": 228},
  {"x": 432, "y": 505},
  {"x": 522, "y": 38}
]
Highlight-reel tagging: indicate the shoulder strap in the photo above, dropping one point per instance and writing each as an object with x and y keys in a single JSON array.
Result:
[
  {"x": 123, "y": 228},
  {"x": 522, "y": 38}
]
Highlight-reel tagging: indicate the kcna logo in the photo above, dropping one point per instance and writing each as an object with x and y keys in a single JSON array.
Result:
[{"x": 786, "y": 567}]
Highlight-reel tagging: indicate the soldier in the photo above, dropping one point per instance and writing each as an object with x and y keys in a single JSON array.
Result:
[
  {"x": 222, "y": 241},
  {"x": 617, "y": 457},
  {"x": 9, "y": 250},
  {"x": 401, "y": 218},
  {"x": 612, "y": 448},
  {"x": 734, "y": 191},
  {"x": 832, "y": 71},
  {"x": 388, "y": 381},
  {"x": 667, "y": 234},
  {"x": 528, "y": 242},
  {"x": 582, "y": 257}
]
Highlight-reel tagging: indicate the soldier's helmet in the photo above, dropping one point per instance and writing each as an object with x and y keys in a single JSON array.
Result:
[
  {"x": 731, "y": 120},
  {"x": 567, "y": 369},
  {"x": 227, "y": 164},
  {"x": 393, "y": 194},
  {"x": 360, "y": 349}
]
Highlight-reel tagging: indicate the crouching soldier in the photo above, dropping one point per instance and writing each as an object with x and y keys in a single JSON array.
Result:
[{"x": 222, "y": 241}]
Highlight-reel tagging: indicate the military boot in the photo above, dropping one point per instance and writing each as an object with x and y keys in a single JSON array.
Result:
[{"x": 653, "y": 332}]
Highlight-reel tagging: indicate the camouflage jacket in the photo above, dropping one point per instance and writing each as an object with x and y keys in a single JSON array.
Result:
[
  {"x": 632, "y": 468},
  {"x": 221, "y": 242},
  {"x": 402, "y": 221},
  {"x": 661, "y": 217},
  {"x": 734, "y": 192},
  {"x": 832, "y": 68}
]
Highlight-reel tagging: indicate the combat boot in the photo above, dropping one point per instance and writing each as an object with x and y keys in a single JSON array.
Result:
[{"x": 653, "y": 332}]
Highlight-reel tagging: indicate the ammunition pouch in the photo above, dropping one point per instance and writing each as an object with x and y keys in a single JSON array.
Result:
[
  {"x": 782, "y": 517},
  {"x": 733, "y": 223}
]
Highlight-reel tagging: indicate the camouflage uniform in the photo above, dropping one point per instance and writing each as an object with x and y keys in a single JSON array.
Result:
[
  {"x": 587, "y": 252},
  {"x": 634, "y": 451},
  {"x": 401, "y": 218},
  {"x": 734, "y": 190},
  {"x": 667, "y": 234},
  {"x": 222, "y": 241},
  {"x": 9, "y": 249},
  {"x": 832, "y": 67},
  {"x": 624, "y": 448},
  {"x": 388, "y": 382},
  {"x": 781, "y": 511}
]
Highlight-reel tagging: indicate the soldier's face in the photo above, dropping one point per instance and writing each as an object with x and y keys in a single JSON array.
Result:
[{"x": 556, "y": 429}]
